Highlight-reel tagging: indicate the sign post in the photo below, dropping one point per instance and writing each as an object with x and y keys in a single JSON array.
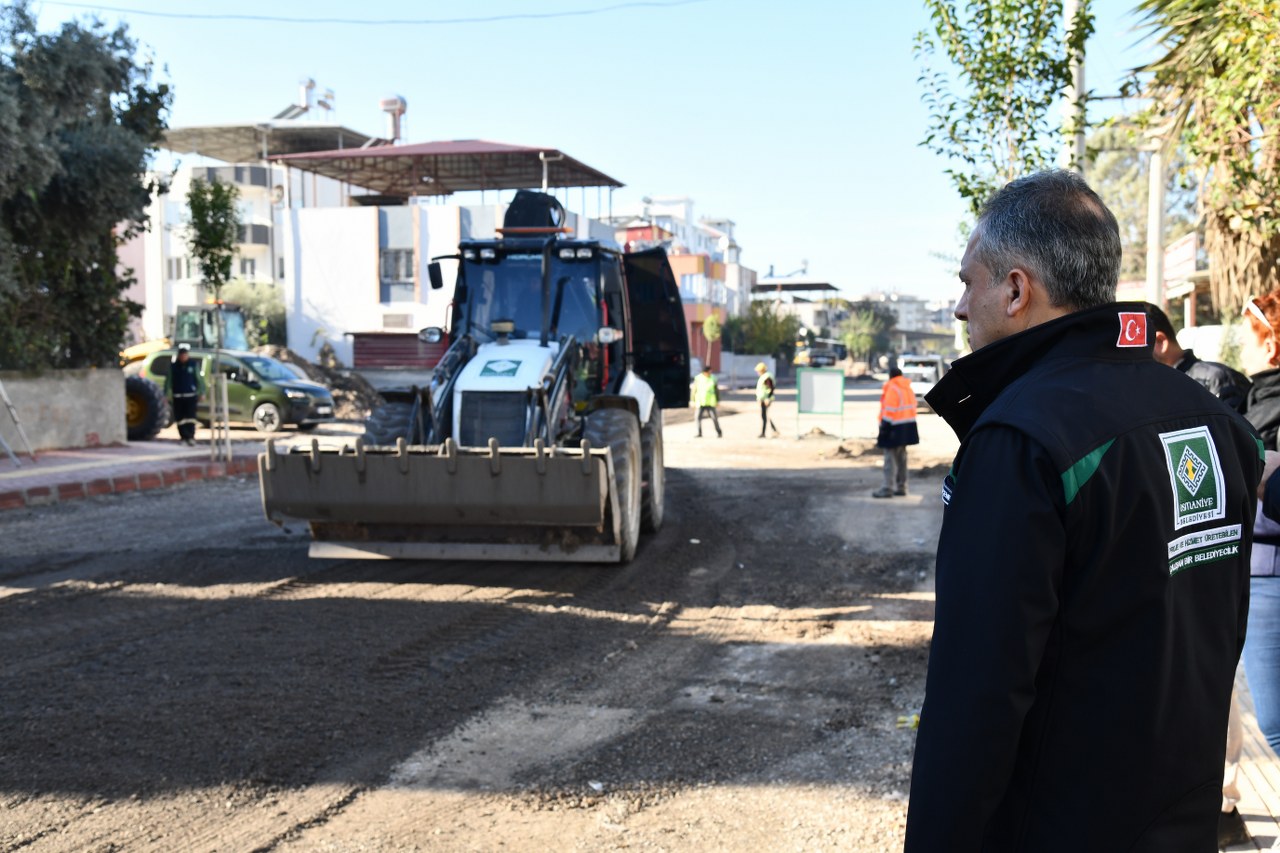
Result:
[{"x": 819, "y": 391}]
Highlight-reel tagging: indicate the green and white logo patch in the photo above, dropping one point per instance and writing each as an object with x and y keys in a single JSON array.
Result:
[
  {"x": 1196, "y": 476},
  {"x": 500, "y": 367}
]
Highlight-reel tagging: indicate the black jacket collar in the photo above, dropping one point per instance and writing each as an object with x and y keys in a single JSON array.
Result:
[{"x": 976, "y": 380}]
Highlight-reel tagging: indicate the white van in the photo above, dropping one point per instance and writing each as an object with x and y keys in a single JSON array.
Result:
[{"x": 924, "y": 371}]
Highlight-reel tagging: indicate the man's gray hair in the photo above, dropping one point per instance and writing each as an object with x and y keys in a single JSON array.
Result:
[{"x": 1054, "y": 226}]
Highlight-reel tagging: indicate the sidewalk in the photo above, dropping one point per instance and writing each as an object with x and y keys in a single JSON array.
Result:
[
  {"x": 1259, "y": 780},
  {"x": 63, "y": 475}
]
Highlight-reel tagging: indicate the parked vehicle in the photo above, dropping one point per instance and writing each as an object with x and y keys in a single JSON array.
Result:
[
  {"x": 147, "y": 411},
  {"x": 819, "y": 352},
  {"x": 197, "y": 326},
  {"x": 924, "y": 371},
  {"x": 260, "y": 390},
  {"x": 538, "y": 436}
]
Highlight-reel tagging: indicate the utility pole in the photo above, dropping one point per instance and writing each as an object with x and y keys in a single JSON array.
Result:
[
  {"x": 1073, "y": 109},
  {"x": 1155, "y": 223}
]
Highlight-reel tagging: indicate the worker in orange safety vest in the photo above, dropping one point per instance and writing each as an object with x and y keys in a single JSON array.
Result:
[{"x": 897, "y": 432}]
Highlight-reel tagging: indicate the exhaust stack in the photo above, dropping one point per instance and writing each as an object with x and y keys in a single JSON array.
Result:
[{"x": 394, "y": 107}]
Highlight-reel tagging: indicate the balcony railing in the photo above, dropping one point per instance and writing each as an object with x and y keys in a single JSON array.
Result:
[
  {"x": 249, "y": 176},
  {"x": 254, "y": 235}
]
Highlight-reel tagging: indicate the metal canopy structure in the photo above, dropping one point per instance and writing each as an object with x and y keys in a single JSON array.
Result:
[
  {"x": 792, "y": 285},
  {"x": 247, "y": 143},
  {"x": 443, "y": 168}
]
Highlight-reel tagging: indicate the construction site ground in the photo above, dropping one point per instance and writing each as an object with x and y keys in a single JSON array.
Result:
[{"x": 178, "y": 675}]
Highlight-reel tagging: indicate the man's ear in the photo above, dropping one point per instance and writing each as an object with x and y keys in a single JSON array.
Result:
[{"x": 1018, "y": 292}]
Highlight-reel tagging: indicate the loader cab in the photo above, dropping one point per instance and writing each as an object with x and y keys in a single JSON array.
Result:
[
  {"x": 623, "y": 311},
  {"x": 503, "y": 281}
]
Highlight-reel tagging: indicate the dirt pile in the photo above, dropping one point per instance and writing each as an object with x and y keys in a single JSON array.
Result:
[
  {"x": 851, "y": 448},
  {"x": 353, "y": 397}
]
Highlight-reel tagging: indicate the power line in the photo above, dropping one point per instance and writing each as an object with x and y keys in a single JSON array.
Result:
[{"x": 571, "y": 13}]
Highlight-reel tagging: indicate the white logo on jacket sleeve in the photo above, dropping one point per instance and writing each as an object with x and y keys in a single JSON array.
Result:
[{"x": 1133, "y": 329}]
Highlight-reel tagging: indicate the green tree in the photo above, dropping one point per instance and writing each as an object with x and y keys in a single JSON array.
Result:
[
  {"x": 1119, "y": 171},
  {"x": 711, "y": 332},
  {"x": 867, "y": 329},
  {"x": 764, "y": 330},
  {"x": 79, "y": 117},
  {"x": 263, "y": 307},
  {"x": 992, "y": 73},
  {"x": 1215, "y": 91},
  {"x": 213, "y": 230}
]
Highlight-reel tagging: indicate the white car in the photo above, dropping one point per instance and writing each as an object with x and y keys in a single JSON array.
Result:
[{"x": 924, "y": 371}]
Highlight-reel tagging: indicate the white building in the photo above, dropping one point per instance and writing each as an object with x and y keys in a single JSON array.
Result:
[
  {"x": 704, "y": 253},
  {"x": 346, "y": 233}
]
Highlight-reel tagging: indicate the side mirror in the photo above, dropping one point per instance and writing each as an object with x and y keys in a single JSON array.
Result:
[
  {"x": 431, "y": 334},
  {"x": 608, "y": 335},
  {"x": 434, "y": 274}
]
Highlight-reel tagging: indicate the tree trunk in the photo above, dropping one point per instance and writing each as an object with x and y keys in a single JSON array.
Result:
[{"x": 1242, "y": 264}]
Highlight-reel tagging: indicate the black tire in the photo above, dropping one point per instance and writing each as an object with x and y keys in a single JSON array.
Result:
[
  {"x": 653, "y": 487},
  {"x": 389, "y": 422},
  {"x": 146, "y": 409},
  {"x": 619, "y": 430},
  {"x": 267, "y": 417}
]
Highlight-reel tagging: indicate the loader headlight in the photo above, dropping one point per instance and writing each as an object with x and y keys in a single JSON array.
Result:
[
  {"x": 584, "y": 253},
  {"x": 469, "y": 254},
  {"x": 488, "y": 254},
  {"x": 566, "y": 254}
]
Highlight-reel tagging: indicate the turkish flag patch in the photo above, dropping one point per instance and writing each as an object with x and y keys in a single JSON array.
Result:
[{"x": 1133, "y": 329}]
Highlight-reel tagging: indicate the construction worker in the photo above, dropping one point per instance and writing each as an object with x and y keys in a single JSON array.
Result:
[
  {"x": 184, "y": 386},
  {"x": 706, "y": 396},
  {"x": 897, "y": 432},
  {"x": 764, "y": 395}
]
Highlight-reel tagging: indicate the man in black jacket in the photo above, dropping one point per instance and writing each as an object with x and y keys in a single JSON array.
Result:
[
  {"x": 184, "y": 386},
  {"x": 1226, "y": 383},
  {"x": 1092, "y": 575}
]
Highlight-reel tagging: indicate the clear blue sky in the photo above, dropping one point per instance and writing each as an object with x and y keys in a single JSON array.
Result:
[{"x": 798, "y": 120}]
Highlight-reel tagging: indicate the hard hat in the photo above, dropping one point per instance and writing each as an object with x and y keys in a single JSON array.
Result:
[
  {"x": 184, "y": 347},
  {"x": 761, "y": 367}
]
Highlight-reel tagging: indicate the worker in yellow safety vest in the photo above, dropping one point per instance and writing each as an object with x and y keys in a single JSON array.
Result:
[
  {"x": 764, "y": 396},
  {"x": 897, "y": 431},
  {"x": 706, "y": 396}
]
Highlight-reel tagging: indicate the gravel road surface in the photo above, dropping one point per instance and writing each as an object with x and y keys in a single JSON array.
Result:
[{"x": 177, "y": 674}]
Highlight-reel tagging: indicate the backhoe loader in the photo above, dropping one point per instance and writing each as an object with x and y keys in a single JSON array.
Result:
[{"x": 538, "y": 436}]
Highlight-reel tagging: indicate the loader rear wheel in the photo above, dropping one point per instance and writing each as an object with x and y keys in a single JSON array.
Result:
[
  {"x": 652, "y": 500},
  {"x": 146, "y": 408},
  {"x": 619, "y": 430},
  {"x": 389, "y": 422}
]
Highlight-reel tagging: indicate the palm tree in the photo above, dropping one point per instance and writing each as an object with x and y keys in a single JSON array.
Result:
[{"x": 1216, "y": 89}]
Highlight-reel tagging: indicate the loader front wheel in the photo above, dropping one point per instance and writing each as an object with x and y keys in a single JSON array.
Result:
[
  {"x": 146, "y": 409},
  {"x": 618, "y": 430},
  {"x": 389, "y": 422},
  {"x": 652, "y": 501}
]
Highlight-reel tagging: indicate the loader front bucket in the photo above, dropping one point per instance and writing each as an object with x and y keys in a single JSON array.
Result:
[{"x": 447, "y": 502}]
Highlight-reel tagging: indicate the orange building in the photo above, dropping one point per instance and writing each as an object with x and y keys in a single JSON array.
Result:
[{"x": 702, "y": 288}]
